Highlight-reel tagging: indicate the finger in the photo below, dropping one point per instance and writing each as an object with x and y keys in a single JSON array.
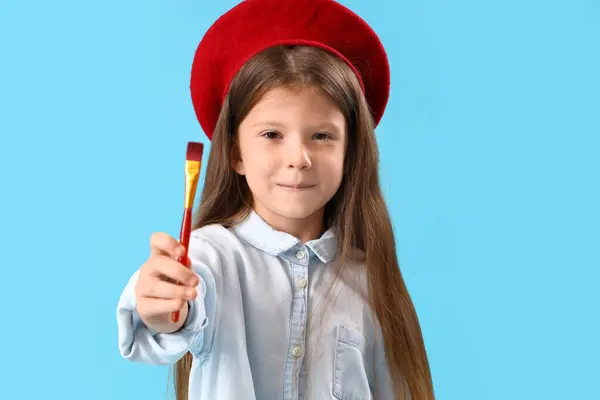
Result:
[
  {"x": 160, "y": 306},
  {"x": 156, "y": 288},
  {"x": 165, "y": 245},
  {"x": 163, "y": 266}
]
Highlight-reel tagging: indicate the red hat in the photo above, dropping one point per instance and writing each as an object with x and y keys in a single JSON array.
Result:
[{"x": 255, "y": 25}]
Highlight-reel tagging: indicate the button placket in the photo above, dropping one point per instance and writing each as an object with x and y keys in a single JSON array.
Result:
[
  {"x": 297, "y": 351},
  {"x": 298, "y": 259},
  {"x": 302, "y": 283}
]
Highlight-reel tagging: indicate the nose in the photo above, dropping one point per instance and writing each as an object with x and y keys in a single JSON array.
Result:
[{"x": 299, "y": 156}]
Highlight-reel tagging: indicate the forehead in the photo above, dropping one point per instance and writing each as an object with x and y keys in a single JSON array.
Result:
[{"x": 302, "y": 100}]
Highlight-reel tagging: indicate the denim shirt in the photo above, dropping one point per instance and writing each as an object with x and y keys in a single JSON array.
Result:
[{"x": 266, "y": 323}]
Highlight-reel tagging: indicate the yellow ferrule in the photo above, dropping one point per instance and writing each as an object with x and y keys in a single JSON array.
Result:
[{"x": 192, "y": 174}]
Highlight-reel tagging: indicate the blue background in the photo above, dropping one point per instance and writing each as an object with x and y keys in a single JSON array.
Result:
[{"x": 490, "y": 164}]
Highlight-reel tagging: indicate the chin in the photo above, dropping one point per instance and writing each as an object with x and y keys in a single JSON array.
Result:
[{"x": 295, "y": 212}]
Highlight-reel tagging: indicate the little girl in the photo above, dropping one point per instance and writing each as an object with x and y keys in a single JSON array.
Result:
[{"x": 294, "y": 290}]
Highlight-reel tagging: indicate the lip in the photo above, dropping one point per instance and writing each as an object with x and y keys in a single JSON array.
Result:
[{"x": 299, "y": 186}]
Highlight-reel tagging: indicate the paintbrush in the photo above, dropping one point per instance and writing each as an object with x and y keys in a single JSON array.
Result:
[{"x": 193, "y": 162}]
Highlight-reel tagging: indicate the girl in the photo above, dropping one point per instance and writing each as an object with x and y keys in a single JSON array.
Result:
[{"x": 294, "y": 290}]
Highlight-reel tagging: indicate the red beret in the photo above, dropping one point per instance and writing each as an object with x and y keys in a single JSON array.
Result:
[{"x": 255, "y": 25}]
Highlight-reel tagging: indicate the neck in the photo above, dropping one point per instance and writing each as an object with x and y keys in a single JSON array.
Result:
[{"x": 305, "y": 229}]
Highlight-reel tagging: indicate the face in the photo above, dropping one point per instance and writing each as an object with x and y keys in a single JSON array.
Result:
[{"x": 291, "y": 151}]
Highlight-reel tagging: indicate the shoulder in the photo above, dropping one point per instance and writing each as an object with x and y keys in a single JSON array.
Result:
[
  {"x": 214, "y": 236},
  {"x": 218, "y": 240},
  {"x": 353, "y": 263},
  {"x": 351, "y": 275},
  {"x": 213, "y": 233}
]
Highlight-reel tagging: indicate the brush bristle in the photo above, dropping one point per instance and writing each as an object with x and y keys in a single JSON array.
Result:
[{"x": 194, "y": 151}]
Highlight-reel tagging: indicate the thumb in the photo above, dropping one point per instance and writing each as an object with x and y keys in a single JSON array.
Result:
[{"x": 165, "y": 245}]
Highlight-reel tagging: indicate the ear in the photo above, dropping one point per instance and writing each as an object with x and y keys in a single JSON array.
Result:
[{"x": 236, "y": 159}]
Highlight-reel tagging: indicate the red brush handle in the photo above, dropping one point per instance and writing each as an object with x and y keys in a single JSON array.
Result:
[{"x": 184, "y": 239}]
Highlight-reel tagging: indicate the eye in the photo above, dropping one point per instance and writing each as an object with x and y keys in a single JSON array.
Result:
[
  {"x": 321, "y": 136},
  {"x": 271, "y": 135}
]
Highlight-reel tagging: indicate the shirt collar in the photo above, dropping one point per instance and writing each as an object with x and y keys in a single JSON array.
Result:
[{"x": 256, "y": 231}]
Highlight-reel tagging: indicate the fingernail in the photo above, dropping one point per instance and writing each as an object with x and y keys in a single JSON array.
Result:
[
  {"x": 191, "y": 293},
  {"x": 194, "y": 281}
]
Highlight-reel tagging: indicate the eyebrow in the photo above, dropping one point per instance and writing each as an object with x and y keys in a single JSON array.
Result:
[
  {"x": 316, "y": 127},
  {"x": 269, "y": 123}
]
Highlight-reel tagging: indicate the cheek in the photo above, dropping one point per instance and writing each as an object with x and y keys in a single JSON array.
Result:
[
  {"x": 337, "y": 163},
  {"x": 331, "y": 169},
  {"x": 259, "y": 166}
]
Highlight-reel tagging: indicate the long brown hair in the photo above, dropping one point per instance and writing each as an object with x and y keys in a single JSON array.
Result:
[{"x": 358, "y": 210}]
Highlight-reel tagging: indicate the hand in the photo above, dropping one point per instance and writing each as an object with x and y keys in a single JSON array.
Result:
[{"x": 157, "y": 291}]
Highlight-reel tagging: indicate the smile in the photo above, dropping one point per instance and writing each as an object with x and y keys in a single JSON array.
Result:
[{"x": 296, "y": 187}]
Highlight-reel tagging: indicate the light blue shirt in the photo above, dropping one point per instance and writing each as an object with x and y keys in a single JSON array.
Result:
[{"x": 260, "y": 328}]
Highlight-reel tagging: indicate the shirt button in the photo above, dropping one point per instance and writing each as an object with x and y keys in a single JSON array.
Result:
[
  {"x": 302, "y": 283},
  {"x": 297, "y": 351},
  {"x": 300, "y": 255}
]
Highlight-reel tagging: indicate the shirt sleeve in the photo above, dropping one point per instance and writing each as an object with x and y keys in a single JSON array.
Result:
[{"x": 138, "y": 343}]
